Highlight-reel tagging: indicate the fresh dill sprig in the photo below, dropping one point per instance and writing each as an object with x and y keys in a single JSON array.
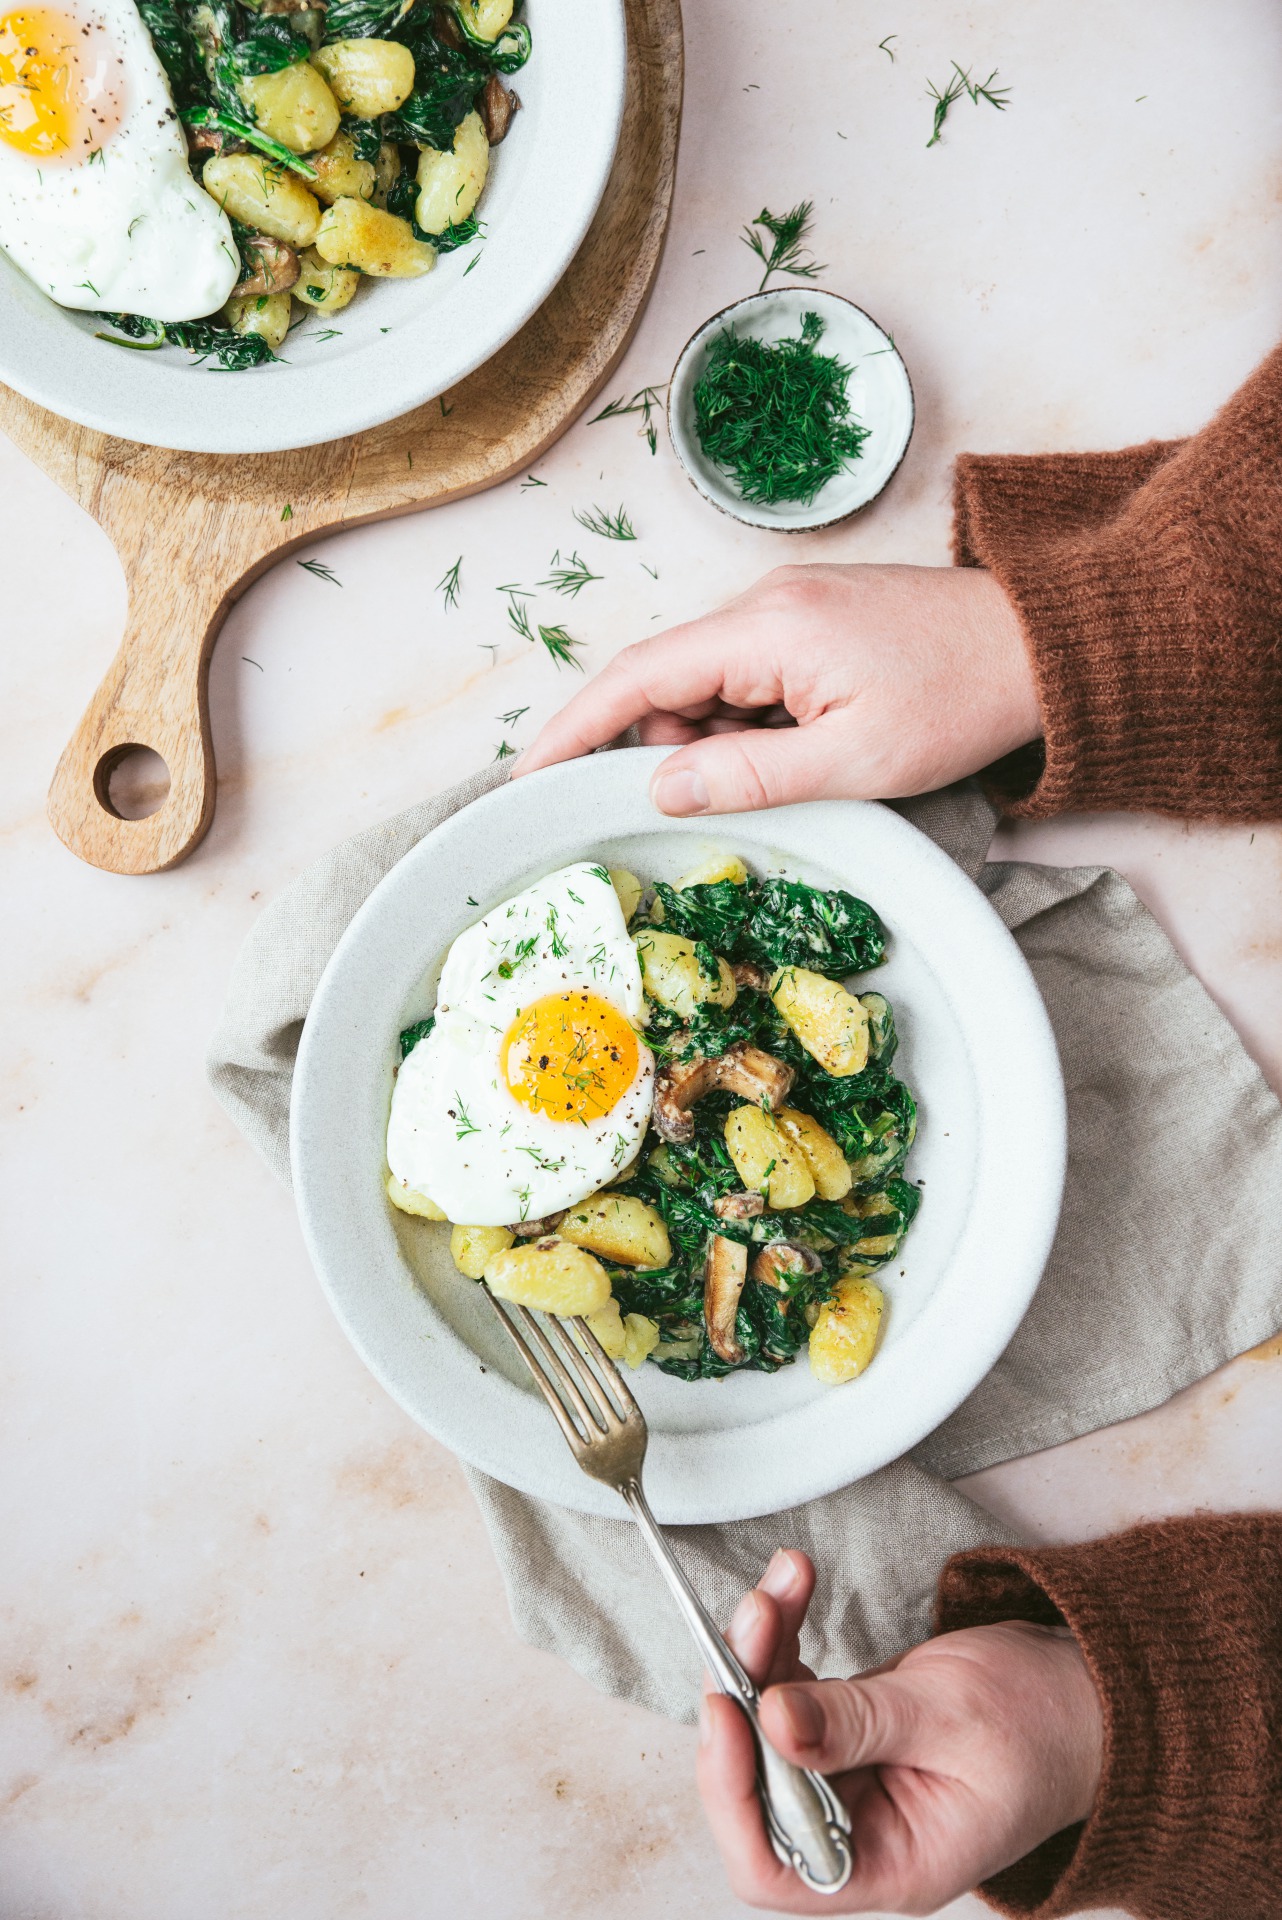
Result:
[
  {"x": 559, "y": 645},
  {"x": 884, "y": 46},
  {"x": 504, "y": 751},
  {"x": 644, "y": 402},
  {"x": 975, "y": 90},
  {"x": 775, "y": 415},
  {"x": 448, "y": 584},
  {"x": 287, "y": 512},
  {"x": 510, "y": 719},
  {"x": 570, "y": 576},
  {"x": 788, "y": 234},
  {"x": 517, "y": 615},
  {"x": 530, "y": 481},
  {"x": 610, "y": 526},
  {"x": 466, "y": 1124},
  {"x": 321, "y": 571}
]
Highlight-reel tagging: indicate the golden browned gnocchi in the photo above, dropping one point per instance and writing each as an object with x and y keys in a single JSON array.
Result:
[
  {"x": 844, "y": 1336},
  {"x": 352, "y": 233},
  {"x": 828, "y": 1166},
  {"x": 829, "y": 1022},
  {"x": 766, "y": 1160},
  {"x": 627, "y": 1337},
  {"x": 449, "y": 184},
  {"x": 472, "y": 1248},
  {"x": 620, "y": 1228},
  {"x": 263, "y": 196},
  {"x": 410, "y": 1200},
  {"x": 367, "y": 77},
  {"x": 485, "y": 19},
  {"x": 550, "y": 1275},
  {"x": 340, "y": 175},
  {"x": 677, "y": 978},
  {"x": 628, "y": 888},
  {"x": 266, "y": 314},
  {"x": 326, "y": 288},
  {"x": 721, "y": 866},
  {"x": 292, "y": 105}
]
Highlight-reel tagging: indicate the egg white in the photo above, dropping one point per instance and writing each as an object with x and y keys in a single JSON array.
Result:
[
  {"x": 456, "y": 1133},
  {"x": 119, "y": 224}
]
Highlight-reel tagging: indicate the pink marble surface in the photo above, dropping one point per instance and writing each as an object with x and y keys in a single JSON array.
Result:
[{"x": 254, "y": 1658}]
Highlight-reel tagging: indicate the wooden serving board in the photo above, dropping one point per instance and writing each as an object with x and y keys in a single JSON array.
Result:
[{"x": 194, "y": 530}]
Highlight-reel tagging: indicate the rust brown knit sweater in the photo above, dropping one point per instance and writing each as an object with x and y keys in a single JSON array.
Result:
[
  {"x": 1181, "y": 1625},
  {"x": 1149, "y": 582}
]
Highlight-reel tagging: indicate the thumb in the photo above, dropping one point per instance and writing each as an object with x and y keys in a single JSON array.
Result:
[
  {"x": 758, "y": 767},
  {"x": 836, "y": 1725}
]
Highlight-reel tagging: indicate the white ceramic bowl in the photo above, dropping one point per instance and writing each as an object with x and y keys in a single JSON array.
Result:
[
  {"x": 401, "y": 342},
  {"x": 976, "y": 1047},
  {"x": 881, "y": 399}
]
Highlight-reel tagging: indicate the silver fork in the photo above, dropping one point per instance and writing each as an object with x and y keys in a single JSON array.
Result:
[{"x": 808, "y": 1825}]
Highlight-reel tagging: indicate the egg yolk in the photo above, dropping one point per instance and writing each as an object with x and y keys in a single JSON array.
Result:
[
  {"x": 571, "y": 1056},
  {"x": 60, "y": 90}
]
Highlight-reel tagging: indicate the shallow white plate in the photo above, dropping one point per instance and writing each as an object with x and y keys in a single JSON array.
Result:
[
  {"x": 401, "y": 342},
  {"x": 976, "y": 1047},
  {"x": 881, "y": 399}
]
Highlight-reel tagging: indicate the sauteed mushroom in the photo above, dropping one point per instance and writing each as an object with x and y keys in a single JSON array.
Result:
[
  {"x": 496, "y": 107},
  {"x": 754, "y": 1075},
  {"x": 724, "y": 1273},
  {"x": 271, "y": 267},
  {"x": 781, "y": 1259}
]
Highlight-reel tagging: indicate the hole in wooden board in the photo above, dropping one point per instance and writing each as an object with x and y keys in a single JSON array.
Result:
[{"x": 131, "y": 782}]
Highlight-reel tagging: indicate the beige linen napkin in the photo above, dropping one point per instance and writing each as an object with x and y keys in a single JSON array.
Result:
[{"x": 1167, "y": 1262}]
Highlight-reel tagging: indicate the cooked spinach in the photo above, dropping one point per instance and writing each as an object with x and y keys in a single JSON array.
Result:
[
  {"x": 232, "y": 352},
  {"x": 168, "y": 23},
  {"x": 411, "y": 1036},
  {"x": 366, "y": 136},
  {"x": 782, "y": 922},
  {"x": 359, "y": 19}
]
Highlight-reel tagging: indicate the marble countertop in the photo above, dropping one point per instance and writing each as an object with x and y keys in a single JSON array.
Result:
[{"x": 254, "y": 1657}]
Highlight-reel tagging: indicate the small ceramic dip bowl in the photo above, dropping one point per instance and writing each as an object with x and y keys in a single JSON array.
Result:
[{"x": 881, "y": 399}]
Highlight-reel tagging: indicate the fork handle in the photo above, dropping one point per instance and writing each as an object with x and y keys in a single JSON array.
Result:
[{"x": 808, "y": 1825}]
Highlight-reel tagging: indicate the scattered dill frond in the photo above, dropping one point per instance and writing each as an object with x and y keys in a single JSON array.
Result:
[
  {"x": 884, "y": 46},
  {"x": 559, "y": 645},
  {"x": 472, "y": 262},
  {"x": 510, "y": 719},
  {"x": 570, "y": 576},
  {"x": 788, "y": 234},
  {"x": 530, "y": 481},
  {"x": 652, "y": 571},
  {"x": 610, "y": 526},
  {"x": 287, "y": 512},
  {"x": 321, "y": 571},
  {"x": 445, "y": 411},
  {"x": 504, "y": 752},
  {"x": 975, "y": 90},
  {"x": 644, "y": 403},
  {"x": 518, "y": 617},
  {"x": 775, "y": 415},
  {"x": 448, "y": 584}
]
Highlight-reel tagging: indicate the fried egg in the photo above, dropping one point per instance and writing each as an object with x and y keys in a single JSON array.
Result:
[
  {"x": 97, "y": 202},
  {"x": 534, "y": 1087}
]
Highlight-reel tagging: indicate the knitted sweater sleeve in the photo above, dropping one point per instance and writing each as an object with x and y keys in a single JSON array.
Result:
[
  {"x": 1149, "y": 584},
  {"x": 1181, "y": 1626}
]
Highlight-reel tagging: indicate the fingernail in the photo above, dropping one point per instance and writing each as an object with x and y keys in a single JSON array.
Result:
[
  {"x": 780, "y": 1577},
  {"x": 705, "y": 1722},
  {"x": 681, "y": 791},
  {"x": 745, "y": 1615},
  {"x": 803, "y": 1714}
]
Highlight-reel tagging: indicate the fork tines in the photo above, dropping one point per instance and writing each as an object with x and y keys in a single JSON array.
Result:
[{"x": 575, "y": 1375}]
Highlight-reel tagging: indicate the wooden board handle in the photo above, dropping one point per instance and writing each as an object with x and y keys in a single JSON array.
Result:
[{"x": 153, "y": 695}]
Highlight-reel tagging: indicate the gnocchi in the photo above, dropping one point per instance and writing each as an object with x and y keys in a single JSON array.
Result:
[
  {"x": 619, "y": 1228},
  {"x": 550, "y": 1275},
  {"x": 471, "y": 1248},
  {"x": 266, "y": 314},
  {"x": 844, "y": 1336},
  {"x": 367, "y": 77},
  {"x": 352, "y": 233},
  {"x": 829, "y": 1022},
  {"x": 292, "y": 105},
  {"x": 264, "y": 196},
  {"x": 340, "y": 175},
  {"x": 326, "y": 288},
  {"x": 828, "y": 1166},
  {"x": 677, "y": 978},
  {"x": 450, "y": 184},
  {"x": 723, "y": 866},
  {"x": 486, "y": 18},
  {"x": 766, "y": 1160},
  {"x": 628, "y": 888},
  {"x": 627, "y": 1337},
  {"x": 409, "y": 1200}
]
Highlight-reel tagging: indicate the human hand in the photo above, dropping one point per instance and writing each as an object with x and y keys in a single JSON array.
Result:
[
  {"x": 954, "y": 1760},
  {"x": 899, "y": 680}
]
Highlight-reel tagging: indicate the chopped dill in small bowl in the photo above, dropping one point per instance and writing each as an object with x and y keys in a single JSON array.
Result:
[
  {"x": 776, "y": 415},
  {"x": 791, "y": 409}
]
